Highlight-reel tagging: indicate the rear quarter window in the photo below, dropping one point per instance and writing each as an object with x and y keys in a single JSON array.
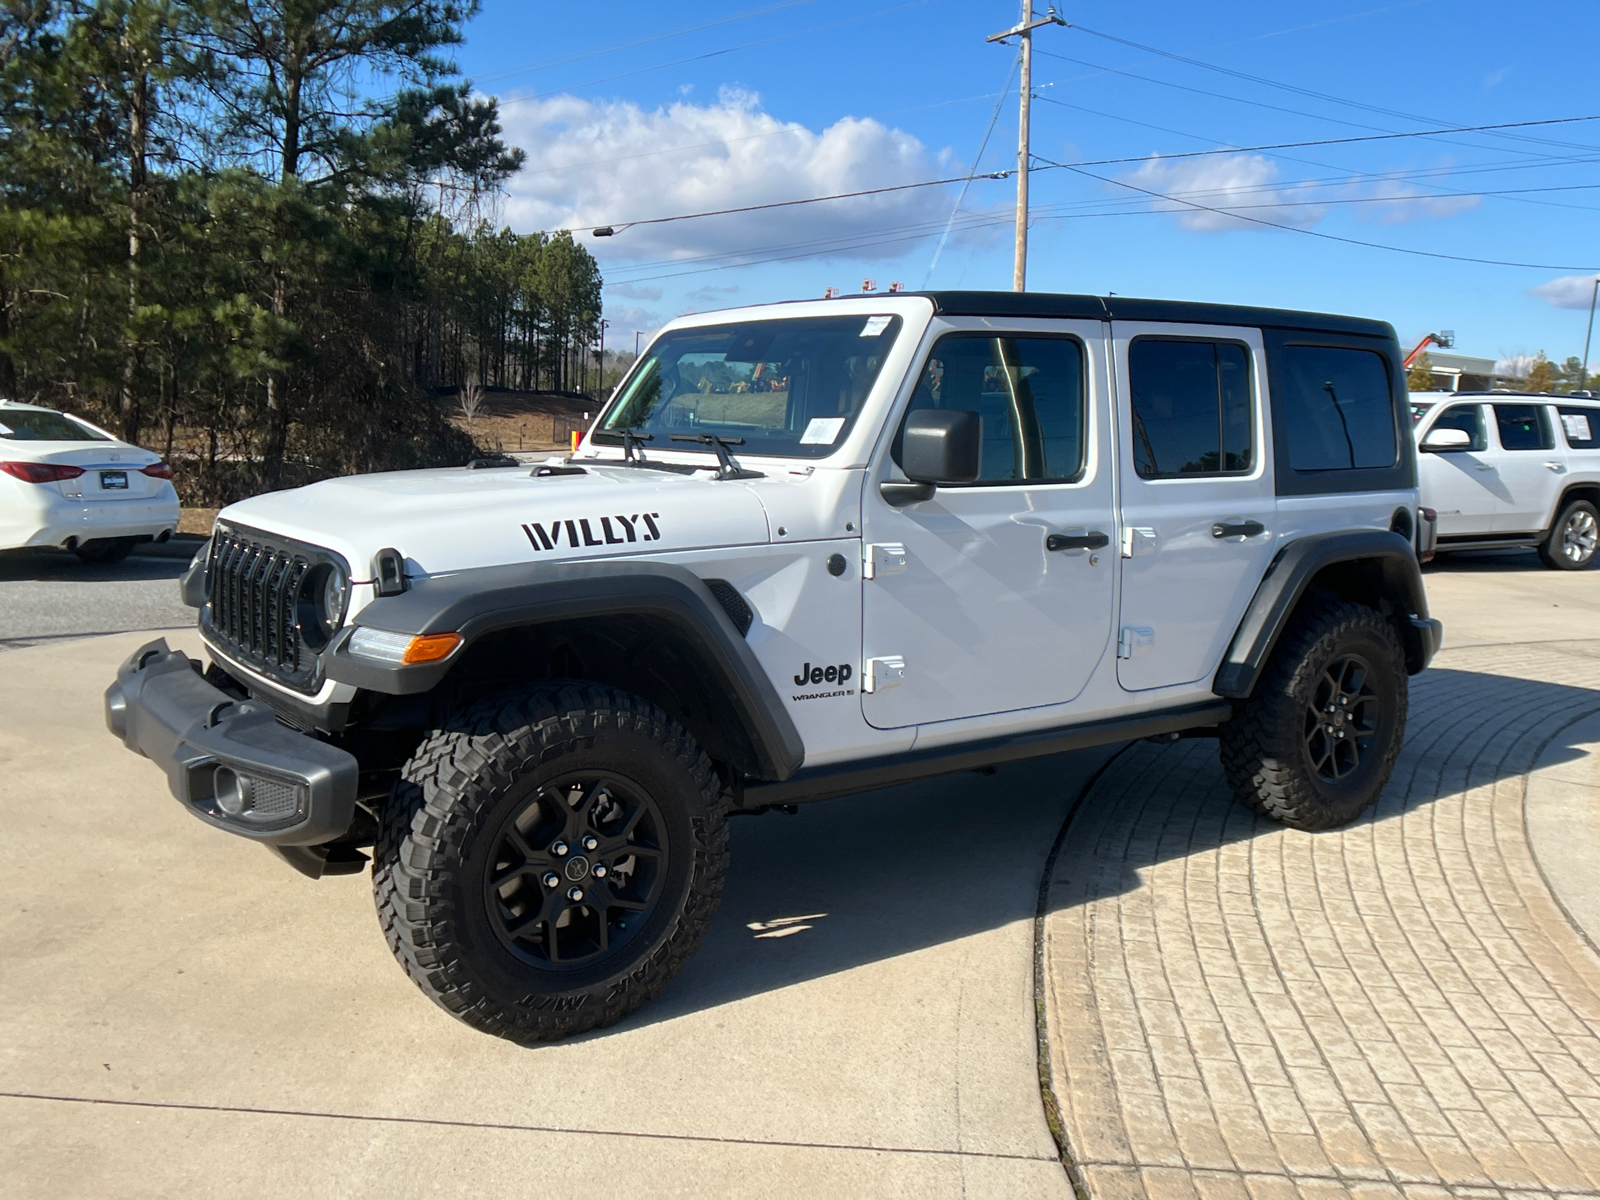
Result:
[
  {"x": 1580, "y": 426},
  {"x": 1338, "y": 409}
]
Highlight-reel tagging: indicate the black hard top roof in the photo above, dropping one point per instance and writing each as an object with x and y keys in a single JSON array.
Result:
[{"x": 1126, "y": 308}]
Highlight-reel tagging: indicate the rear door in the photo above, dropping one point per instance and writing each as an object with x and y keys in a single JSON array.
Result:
[
  {"x": 1531, "y": 467},
  {"x": 1197, "y": 496},
  {"x": 966, "y": 610},
  {"x": 1462, "y": 486}
]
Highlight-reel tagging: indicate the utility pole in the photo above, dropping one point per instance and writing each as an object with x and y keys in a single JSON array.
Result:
[
  {"x": 1583, "y": 367},
  {"x": 1024, "y": 30}
]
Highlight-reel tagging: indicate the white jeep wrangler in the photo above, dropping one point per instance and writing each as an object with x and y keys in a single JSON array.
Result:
[{"x": 808, "y": 550}]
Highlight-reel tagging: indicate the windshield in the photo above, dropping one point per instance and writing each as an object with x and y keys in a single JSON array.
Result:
[
  {"x": 789, "y": 388},
  {"x": 32, "y": 425}
]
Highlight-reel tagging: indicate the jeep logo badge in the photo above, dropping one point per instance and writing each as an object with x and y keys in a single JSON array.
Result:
[{"x": 810, "y": 674}]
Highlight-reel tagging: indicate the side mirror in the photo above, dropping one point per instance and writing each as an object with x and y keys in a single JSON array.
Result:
[
  {"x": 937, "y": 446},
  {"x": 1447, "y": 439}
]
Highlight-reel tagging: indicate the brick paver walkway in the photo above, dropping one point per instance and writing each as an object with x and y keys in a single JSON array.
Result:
[{"x": 1236, "y": 1009}]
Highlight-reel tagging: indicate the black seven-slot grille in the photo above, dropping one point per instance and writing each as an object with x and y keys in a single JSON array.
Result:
[{"x": 253, "y": 600}]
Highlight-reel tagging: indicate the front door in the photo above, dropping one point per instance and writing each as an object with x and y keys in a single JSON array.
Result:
[
  {"x": 967, "y": 610},
  {"x": 1198, "y": 502},
  {"x": 1531, "y": 467},
  {"x": 1462, "y": 486}
]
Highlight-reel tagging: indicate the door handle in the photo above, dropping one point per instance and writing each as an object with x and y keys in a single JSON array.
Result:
[
  {"x": 1485, "y": 466},
  {"x": 1093, "y": 540},
  {"x": 1228, "y": 529},
  {"x": 1557, "y": 467}
]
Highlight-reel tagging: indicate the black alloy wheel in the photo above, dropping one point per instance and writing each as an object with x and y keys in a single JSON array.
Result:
[
  {"x": 577, "y": 871},
  {"x": 550, "y": 858},
  {"x": 1316, "y": 741},
  {"x": 1341, "y": 719}
]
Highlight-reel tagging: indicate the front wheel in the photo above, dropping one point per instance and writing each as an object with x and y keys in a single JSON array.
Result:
[
  {"x": 550, "y": 860},
  {"x": 1573, "y": 538},
  {"x": 1316, "y": 741}
]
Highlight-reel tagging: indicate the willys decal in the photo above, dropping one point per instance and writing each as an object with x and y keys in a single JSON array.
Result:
[{"x": 616, "y": 530}]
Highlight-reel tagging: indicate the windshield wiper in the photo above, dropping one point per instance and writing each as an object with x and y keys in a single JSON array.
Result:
[
  {"x": 726, "y": 467},
  {"x": 630, "y": 443}
]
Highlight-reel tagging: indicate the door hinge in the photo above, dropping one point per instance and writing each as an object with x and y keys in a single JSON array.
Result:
[
  {"x": 1135, "y": 639},
  {"x": 883, "y": 558},
  {"x": 886, "y": 672},
  {"x": 1137, "y": 539}
]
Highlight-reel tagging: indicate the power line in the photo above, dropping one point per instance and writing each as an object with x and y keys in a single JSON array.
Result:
[
  {"x": 617, "y": 226},
  {"x": 1331, "y": 237}
]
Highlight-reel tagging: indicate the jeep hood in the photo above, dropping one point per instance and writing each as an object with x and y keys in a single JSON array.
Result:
[{"x": 455, "y": 519}]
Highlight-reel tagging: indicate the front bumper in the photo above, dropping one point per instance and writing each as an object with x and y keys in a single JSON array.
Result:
[
  {"x": 1427, "y": 638},
  {"x": 285, "y": 789}
]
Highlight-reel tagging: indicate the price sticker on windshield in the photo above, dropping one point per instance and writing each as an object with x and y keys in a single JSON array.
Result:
[
  {"x": 875, "y": 326},
  {"x": 822, "y": 431}
]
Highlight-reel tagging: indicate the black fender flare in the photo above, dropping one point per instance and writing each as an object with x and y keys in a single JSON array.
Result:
[
  {"x": 1291, "y": 572},
  {"x": 763, "y": 739}
]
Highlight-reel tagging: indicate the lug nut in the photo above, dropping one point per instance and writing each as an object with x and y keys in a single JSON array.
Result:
[
  {"x": 599, "y": 871},
  {"x": 575, "y": 894},
  {"x": 558, "y": 848},
  {"x": 551, "y": 879},
  {"x": 589, "y": 843}
]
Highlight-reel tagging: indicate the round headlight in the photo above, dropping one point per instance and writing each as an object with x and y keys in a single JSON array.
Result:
[
  {"x": 321, "y": 604},
  {"x": 333, "y": 590}
]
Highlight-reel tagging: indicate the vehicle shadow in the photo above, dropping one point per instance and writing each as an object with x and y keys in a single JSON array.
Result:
[
  {"x": 31, "y": 566},
  {"x": 861, "y": 880},
  {"x": 1486, "y": 562}
]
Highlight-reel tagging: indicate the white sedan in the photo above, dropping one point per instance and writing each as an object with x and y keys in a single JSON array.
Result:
[{"x": 67, "y": 483}]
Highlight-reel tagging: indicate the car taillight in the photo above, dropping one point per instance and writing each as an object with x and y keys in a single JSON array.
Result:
[
  {"x": 33, "y": 472},
  {"x": 157, "y": 470}
]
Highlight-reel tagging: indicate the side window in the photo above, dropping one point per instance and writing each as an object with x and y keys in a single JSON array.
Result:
[
  {"x": 1191, "y": 408},
  {"x": 1524, "y": 427},
  {"x": 1581, "y": 427},
  {"x": 1469, "y": 419},
  {"x": 1029, "y": 393},
  {"x": 1338, "y": 409}
]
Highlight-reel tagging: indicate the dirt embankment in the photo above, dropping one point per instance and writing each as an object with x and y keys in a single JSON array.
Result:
[{"x": 508, "y": 420}]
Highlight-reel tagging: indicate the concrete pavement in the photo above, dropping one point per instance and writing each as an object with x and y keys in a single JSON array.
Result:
[
  {"x": 47, "y": 595},
  {"x": 1405, "y": 1006},
  {"x": 183, "y": 1014}
]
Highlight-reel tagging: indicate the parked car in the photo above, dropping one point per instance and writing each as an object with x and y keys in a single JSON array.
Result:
[
  {"x": 67, "y": 483},
  {"x": 969, "y": 528},
  {"x": 1507, "y": 469}
]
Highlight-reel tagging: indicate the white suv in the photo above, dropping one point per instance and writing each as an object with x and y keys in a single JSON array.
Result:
[
  {"x": 1506, "y": 469},
  {"x": 808, "y": 550}
]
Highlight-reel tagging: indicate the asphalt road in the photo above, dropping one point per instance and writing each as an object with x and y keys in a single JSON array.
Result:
[{"x": 48, "y": 594}]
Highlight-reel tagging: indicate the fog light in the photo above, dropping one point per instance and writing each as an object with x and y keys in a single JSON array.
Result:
[
  {"x": 231, "y": 790},
  {"x": 256, "y": 799}
]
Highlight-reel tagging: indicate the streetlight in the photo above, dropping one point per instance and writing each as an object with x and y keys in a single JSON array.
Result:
[
  {"x": 636, "y": 334},
  {"x": 603, "y": 324},
  {"x": 1583, "y": 367}
]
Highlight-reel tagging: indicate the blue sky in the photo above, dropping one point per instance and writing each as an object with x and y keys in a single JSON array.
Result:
[{"x": 635, "y": 111}]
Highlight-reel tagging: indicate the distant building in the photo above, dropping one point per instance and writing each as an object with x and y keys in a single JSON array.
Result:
[{"x": 1459, "y": 373}]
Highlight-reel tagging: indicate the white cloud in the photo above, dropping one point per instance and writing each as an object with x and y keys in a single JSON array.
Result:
[
  {"x": 603, "y": 162},
  {"x": 632, "y": 291},
  {"x": 1496, "y": 76},
  {"x": 1244, "y": 181},
  {"x": 1400, "y": 202},
  {"x": 1570, "y": 291}
]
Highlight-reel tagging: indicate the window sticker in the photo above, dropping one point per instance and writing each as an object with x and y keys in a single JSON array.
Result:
[
  {"x": 822, "y": 430},
  {"x": 873, "y": 327},
  {"x": 1576, "y": 426}
]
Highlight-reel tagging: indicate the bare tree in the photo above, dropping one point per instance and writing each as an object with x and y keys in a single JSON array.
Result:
[{"x": 471, "y": 400}]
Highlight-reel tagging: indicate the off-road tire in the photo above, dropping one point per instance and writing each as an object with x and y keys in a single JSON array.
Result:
[
  {"x": 1578, "y": 523},
  {"x": 106, "y": 550},
  {"x": 439, "y": 828},
  {"x": 1264, "y": 748}
]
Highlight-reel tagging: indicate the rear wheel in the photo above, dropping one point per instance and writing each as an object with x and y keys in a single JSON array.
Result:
[
  {"x": 1315, "y": 743},
  {"x": 106, "y": 550},
  {"x": 1573, "y": 538},
  {"x": 551, "y": 860}
]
